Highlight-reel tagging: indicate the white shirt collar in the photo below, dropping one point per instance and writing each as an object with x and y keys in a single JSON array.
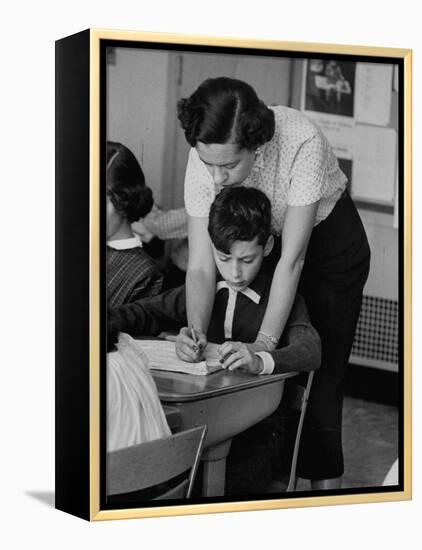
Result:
[
  {"x": 125, "y": 244},
  {"x": 251, "y": 294},
  {"x": 231, "y": 304}
]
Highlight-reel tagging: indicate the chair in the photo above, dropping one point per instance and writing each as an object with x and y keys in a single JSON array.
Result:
[
  {"x": 151, "y": 464},
  {"x": 271, "y": 447},
  {"x": 296, "y": 397}
]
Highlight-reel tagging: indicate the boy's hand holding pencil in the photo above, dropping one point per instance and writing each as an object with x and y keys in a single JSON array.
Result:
[{"x": 190, "y": 344}]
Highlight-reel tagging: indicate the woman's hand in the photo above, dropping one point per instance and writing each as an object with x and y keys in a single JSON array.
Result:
[
  {"x": 237, "y": 355},
  {"x": 189, "y": 350}
]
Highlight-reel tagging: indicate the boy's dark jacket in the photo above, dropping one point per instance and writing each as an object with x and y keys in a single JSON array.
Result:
[{"x": 299, "y": 348}]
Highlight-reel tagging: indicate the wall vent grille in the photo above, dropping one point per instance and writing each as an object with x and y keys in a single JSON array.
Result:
[{"x": 377, "y": 333}]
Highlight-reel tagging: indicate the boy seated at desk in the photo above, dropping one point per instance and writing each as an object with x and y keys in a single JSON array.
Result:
[{"x": 240, "y": 231}]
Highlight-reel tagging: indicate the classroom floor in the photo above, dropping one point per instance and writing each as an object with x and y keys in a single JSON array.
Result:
[
  {"x": 376, "y": 426},
  {"x": 370, "y": 443}
]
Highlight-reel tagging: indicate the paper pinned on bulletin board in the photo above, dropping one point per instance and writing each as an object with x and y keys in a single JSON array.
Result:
[
  {"x": 374, "y": 164},
  {"x": 339, "y": 132},
  {"x": 373, "y": 93}
]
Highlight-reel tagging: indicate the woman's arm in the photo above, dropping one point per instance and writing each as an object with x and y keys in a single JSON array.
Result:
[
  {"x": 201, "y": 273},
  {"x": 307, "y": 177},
  {"x": 297, "y": 229},
  {"x": 200, "y": 288},
  {"x": 300, "y": 345}
]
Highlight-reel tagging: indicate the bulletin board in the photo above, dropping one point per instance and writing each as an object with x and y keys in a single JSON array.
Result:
[{"x": 356, "y": 106}]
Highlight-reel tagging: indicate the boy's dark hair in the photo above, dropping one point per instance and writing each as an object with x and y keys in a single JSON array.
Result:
[
  {"x": 239, "y": 214},
  {"x": 224, "y": 110},
  {"x": 126, "y": 187}
]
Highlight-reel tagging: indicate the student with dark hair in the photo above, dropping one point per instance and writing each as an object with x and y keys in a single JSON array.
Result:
[
  {"x": 239, "y": 215},
  {"x": 239, "y": 227},
  {"x": 131, "y": 272},
  {"x": 322, "y": 250},
  {"x": 126, "y": 183}
]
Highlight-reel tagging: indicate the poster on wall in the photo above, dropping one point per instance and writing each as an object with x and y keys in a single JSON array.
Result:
[
  {"x": 329, "y": 87},
  {"x": 328, "y": 98},
  {"x": 351, "y": 102}
]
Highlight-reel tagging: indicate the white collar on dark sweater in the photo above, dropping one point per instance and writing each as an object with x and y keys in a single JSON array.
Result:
[
  {"x": 125, "y": 244},
  {"x": 251, "y": 294}
]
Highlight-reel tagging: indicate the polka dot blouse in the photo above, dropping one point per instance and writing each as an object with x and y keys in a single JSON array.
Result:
[{"x": 296, "y": 167}]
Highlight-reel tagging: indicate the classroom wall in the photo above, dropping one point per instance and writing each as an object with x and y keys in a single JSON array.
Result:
[
  {"x": 137, "y": 89},
  {"x": 143, "y": 88},
  {"x": 383, "y": 240}
]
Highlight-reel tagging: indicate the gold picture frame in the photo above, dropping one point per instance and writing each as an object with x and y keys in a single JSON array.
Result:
[{"x": 81, "y": 122}]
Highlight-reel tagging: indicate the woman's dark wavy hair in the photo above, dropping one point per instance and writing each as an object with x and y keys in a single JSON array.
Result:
[
  {"x": 239, "y": 214},
  {"x": 226, "y": 110},
  {"x": 126, "y": 187}
]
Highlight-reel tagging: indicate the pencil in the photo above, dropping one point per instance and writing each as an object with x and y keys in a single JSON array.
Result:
[
  {"x": 192, "y": 330},
  {"x": 194, "y": 338}
]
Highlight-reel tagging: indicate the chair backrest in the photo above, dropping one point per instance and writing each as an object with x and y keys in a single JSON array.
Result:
[
  {"x": 155, "y": 462},
  {"x": 296, "y": 397},
  {"x": 294, "y": 393}
]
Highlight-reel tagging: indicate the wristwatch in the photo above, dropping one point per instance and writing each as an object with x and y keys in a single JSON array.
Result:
[{"x": 269, "y": 339}]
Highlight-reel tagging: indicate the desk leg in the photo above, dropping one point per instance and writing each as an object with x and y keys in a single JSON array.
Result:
[{"x": 214, "y": 474}]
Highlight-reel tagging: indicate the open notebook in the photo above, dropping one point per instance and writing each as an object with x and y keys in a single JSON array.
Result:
[{"x": 162, "y": 356}]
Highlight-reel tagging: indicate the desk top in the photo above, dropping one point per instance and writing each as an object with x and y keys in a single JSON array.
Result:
[{"x": 176, "y": 387}]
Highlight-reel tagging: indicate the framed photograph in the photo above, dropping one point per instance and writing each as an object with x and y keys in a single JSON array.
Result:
[{"x": 233, "y": 274}]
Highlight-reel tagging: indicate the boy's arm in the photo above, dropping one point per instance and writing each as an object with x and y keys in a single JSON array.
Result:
[
  {"x": 300, "y": 346},
  {"x": 147, "y": 287},
  {"x": 150, "y": 316}
]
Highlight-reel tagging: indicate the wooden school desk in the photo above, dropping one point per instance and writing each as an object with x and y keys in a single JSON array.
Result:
[{"x": 227, "y": 402}]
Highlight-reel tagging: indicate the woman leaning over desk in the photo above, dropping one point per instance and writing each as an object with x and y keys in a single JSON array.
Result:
[{"x": 237, "y": 140}]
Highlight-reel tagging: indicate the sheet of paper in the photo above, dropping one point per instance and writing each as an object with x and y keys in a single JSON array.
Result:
[
  {"x": 162, "y": 356},
  {"x": 374, "y": 164},
  {"x": 373, "y": 93},
  {"x": 338, "y": 130},
  {"x": 340, "y": 134}
]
